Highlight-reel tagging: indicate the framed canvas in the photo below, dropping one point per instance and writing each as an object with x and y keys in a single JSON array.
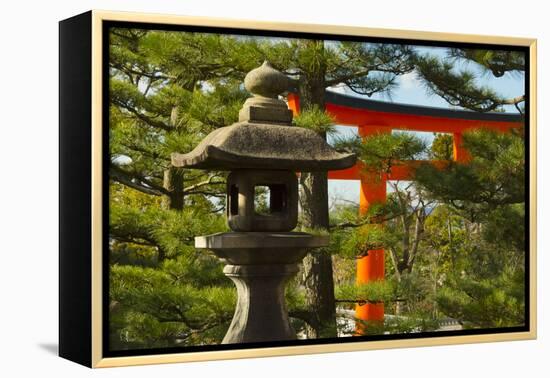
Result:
[{"x": 234, "y": 189}]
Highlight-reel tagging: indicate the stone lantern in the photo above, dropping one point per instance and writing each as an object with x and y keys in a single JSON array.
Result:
[{"x": 262, "y": 150}]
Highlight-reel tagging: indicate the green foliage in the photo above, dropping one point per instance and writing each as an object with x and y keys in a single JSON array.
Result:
[
  {"x": 318, "y": 231},
  {"x": 261, "y": 200},
  {"x": 448, "y": 238},
  {"x": 360, "y": 240},
  {"x": 315, "y": 119},
  {"x": 369, "y": 68},
  {"x": 498, "y": 62},
  {"x": 372, "y": 292},
  {"x": 382, "y": 151},
  {"x": 391, "y": 293},
  {"x": 172, "y": 231},
  {"x": 505, "y": 227},
  {"x": 457, "y": 88},
  {"x": 163, "y": 291},
  {"x": 497, "y": 301},
  {"x": 460, "y": 87},
  {"x": 482, "y": 230},
  {"x": 398, "y": 325},
  {"x": 160, "y": 310},
  {"x": 442, "y": 147},
  {"x": 495, "y": 176}
]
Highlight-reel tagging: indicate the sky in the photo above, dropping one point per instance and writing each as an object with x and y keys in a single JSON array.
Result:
[{"x": 411, "y": 91}]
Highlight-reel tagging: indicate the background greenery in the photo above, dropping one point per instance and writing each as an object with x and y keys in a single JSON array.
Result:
[{"x": 454, "y": 238}]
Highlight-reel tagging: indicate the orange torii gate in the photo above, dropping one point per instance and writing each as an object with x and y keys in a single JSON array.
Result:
[{"x": 375, "y": 117}]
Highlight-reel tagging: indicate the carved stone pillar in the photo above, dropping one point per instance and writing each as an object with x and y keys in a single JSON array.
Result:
[{"x": 261, "y": 313}]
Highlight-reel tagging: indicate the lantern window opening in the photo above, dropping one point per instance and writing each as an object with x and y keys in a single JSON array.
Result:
[
  {"x": 270, "y": 199},
  {"x": 234, "y": 200}
]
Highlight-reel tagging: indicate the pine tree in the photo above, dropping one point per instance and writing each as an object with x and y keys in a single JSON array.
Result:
[
  {"x": 460, "y": 88},
  {"x": 486, "y": 286},
  {"x": 163, "y": 292}
]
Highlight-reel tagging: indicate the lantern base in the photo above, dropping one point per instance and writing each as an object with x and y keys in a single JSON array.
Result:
[
  {"x": 260, "y": 264},
  {"x": 252, "y": 248},
  {"x": 261, "y": 313}
]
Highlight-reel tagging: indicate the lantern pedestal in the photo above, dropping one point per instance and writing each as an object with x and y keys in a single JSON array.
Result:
[
  {"x": 261, "y": 313},
  {"x": 260, "y": 264}
]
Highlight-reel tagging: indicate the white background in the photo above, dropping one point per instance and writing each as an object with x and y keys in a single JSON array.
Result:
[{"x": 29, "y": 174}]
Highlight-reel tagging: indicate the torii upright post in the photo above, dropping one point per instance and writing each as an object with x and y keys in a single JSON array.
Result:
[{"x": 371, "y": 267}]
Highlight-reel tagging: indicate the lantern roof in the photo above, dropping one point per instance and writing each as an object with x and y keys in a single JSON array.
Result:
[{"x": 264, "y": 137}]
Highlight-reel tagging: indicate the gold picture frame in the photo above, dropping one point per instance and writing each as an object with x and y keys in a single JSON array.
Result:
[{"x": 81, "y": 277}]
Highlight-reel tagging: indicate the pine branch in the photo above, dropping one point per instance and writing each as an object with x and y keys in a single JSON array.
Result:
[
  {"x": 127, "y": 238},
  {"x": 135, "y": 181},
  {"x": 142, "y": 117},
  {"x": 343, "y": 225},
  {"x": 191, "y": 189},
  {"x": 498, "y": 62},
  {"x": 145, "y": 151},
  {"x": 207, "y": 193},
  {"x": 345, "y": 78},
  {"x": 154, "y": 75},
  {"x": 203, "y": 329},
  {"x": 132, "y": 236},
  {"x": 460, "y": 89},
  {"x": 307, "y": 316},
  {"x": 514, "y": 100}
]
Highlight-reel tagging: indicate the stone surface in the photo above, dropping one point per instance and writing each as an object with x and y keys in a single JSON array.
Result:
[
  {"x": 241, "y": 215},
  {"x": 260, "y": 264},
  {"x": 265, "y": 81},
  {"x": 264, "y": 137},
  {"x": 260, "y": 314},
  {"x": 256, "y": 146},
  {"x": 255, "y": 111},
  {"x": 244, "y": 248}
]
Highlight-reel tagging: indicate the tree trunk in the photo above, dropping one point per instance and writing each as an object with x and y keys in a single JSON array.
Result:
[
  {"x": 173, "y": 199},
  {"x": 161, "y": 255},
  {"x": 317, "y": 278},
  {"x": 173, "y": 183},
  {"x": 173, "y": 177}
]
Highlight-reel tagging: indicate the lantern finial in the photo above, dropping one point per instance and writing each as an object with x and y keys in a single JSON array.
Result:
[
  {"x": 265, "y": 107},
  {"x": 266, "y": 81}
]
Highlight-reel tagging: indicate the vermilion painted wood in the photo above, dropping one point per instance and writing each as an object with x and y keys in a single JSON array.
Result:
[
  {"x": 371, "y": 267},
  {"x": 401, "y": 171},
  {"x": 344, "y": 115}
]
